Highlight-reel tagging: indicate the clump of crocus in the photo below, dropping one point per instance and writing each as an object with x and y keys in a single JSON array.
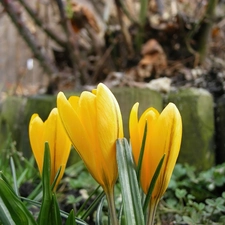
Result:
[
  {"x": 164, "y": 133},
  {"x": 93, "y": 122},
  {"x": 53, "y": 132}
]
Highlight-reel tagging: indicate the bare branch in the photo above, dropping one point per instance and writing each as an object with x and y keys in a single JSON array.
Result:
[
  {"x": 41, "y": 24},
  {"x": 72, "y": 50},
  {"x": 15, "y": 16}
]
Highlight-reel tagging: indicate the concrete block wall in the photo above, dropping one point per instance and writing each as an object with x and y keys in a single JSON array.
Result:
[
  {"x": 196, "y": 107},
  {"x": 197, "y": 110}
]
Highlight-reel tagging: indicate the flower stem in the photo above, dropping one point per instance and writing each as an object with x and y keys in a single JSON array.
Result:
[
  {"x": 152, "y": 211},
  {"x": 112, "y": 208}
]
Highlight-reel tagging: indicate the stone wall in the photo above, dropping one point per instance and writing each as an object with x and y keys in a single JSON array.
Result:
[
  {"x": 196, "y": 107},
  {"x": 197, "y": 111}
]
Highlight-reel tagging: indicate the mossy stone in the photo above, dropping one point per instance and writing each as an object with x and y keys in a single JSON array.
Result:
[
  {"x": 196, "y": 108},
  {"x": 11, "y": 112},
  {"x": 195, "y": 105}
]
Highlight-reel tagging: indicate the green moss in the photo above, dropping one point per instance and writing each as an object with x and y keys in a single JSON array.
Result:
[
  {"x": 196, "y": 108},
  {"x": 11, "y": 111}
]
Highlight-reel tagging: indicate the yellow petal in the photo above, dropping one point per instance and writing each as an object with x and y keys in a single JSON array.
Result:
[
  {"x": 149, "y": 115},
  {"x": 94, "y": 122},
  {"x": 50, "y": 131},
  {"x": 50, "y": 137},
  {"x": 170, "y": 119},
  {"x": 87, "y": 113},
  {"x": 74, "y": 100},
  {"x": 163, "y": 137},
  {"x": 135, "y": 136},
  {"x": 150, "y": 158},
  {"x": 75, "y": 129},
  {"x": 59, "y": 144},
  {"x": 107, "y": 102},
  {"x": 109, "y": 128},
  {"x": 62, "y": 148},
  {"x": 166, "y": 139},
  {"x": 36, "y": 136}
]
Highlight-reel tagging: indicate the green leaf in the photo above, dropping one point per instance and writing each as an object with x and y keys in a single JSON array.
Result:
[
  {"x": 77, "y": 220},
  {"x": 56, "y": 178},
  {"x": 12, "y": 164},
  {"x": 152, "y": 184},
  {"x": 12, "y": 209},
  {"x": 36, "y": 194},
  {"x": 6, "y": 181},
  {"x": 180, "y": 193},
  {"x": 223, "y": 194},
  {"x": 99, "y": 213},
  {"x": 88, "y": 200},
  {"x": 129, "y": 184},
  {"x": 142, "y": 152},
  {"x": 189, "y": 220},
  {"x": 93, "y": 206},
  {"x": 120, "y": 215},
  {"x": 55, "y": 212},
  {"x": 210, "y": 202},
  {"x": 44, "y": 215},
  {"x": 5, "y": 217},
  {"x": 71, "y": 219},
  {"x": 221, "y": 208}
]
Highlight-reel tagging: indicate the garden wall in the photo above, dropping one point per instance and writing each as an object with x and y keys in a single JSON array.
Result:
[{"x": 196, "y": 107}]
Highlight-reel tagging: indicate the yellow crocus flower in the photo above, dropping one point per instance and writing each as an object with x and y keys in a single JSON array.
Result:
[
  {"x": 164, "y": 133},
  {"x": 53, "y": 132},
  {"x": 93, "y": 123}
]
